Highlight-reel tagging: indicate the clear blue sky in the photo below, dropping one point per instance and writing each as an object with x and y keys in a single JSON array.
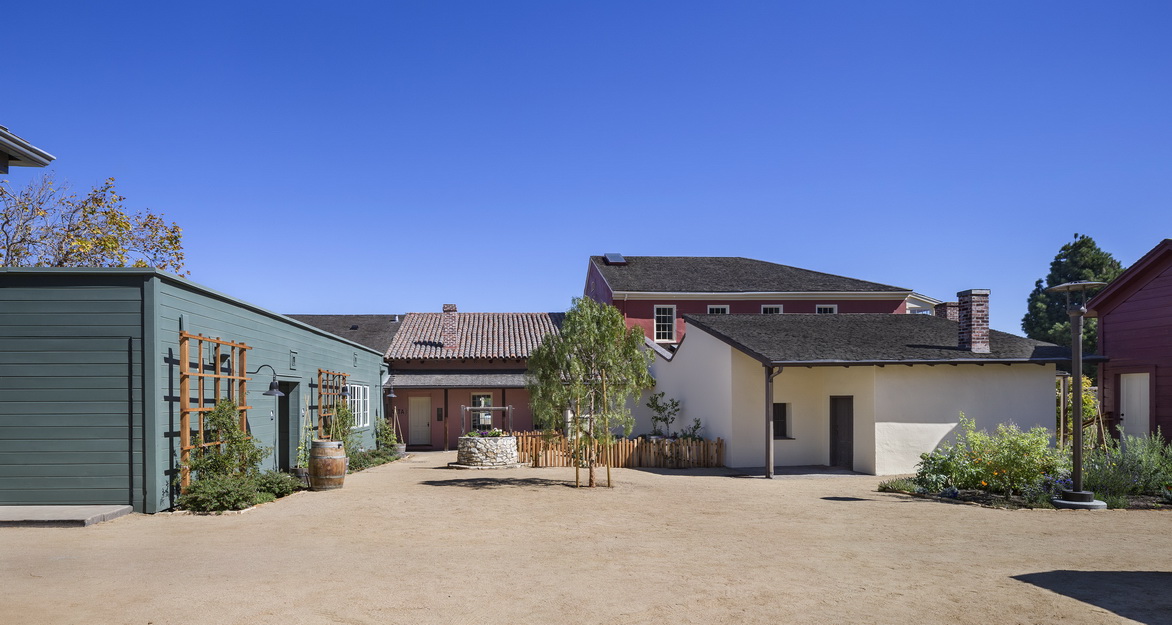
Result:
[{"x": 358, "y": 157}]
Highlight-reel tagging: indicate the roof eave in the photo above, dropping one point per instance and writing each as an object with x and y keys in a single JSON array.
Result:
[
  {"x": 28, "y": 155},
  {"x": 734, "y": 295}
]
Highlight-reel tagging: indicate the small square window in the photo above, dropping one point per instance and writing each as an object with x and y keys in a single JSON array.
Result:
[
  {"x": 717, "y": 310},
  {"x": 771, "y": 310},
  {"x": 826, "y": 309}
]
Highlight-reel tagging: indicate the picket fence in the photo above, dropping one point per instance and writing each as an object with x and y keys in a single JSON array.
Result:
[{"x": 542, "y": 450}]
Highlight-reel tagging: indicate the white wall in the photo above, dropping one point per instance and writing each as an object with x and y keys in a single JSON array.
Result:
[
  {"x": 900, "y": 411},
  {"x": 808, "y": 390},
  {"x": 699, "y": 376},
  {"x": 917, "y": 408}
]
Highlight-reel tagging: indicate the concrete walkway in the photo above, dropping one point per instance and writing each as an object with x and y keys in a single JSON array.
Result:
[{"x": 59, "y": 516}]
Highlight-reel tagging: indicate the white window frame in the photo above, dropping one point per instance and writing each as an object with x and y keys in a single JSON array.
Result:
[
  {"x": 359, "y": 401},
  {"x": 818, "y": 309},
  {"x": 779, "y": 308},
  {"x": 655, "y": 323},
  {"x": 718, "y": 309},
  {"x": 474, "y": 415}
]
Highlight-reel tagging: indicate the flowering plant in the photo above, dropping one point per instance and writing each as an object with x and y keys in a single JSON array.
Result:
[{"x": 495, "y": 432}]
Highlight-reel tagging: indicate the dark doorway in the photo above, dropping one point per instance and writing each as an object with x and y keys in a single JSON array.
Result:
[
  {"x": 842, "y": 432},
  {"x": 288, "y": 426}
]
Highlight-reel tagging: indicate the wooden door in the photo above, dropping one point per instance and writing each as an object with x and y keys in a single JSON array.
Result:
[
  {"x": 842, "y": 432},
  {"x": 419, "y": 414},
  {"x": 1134, "y": 403}
]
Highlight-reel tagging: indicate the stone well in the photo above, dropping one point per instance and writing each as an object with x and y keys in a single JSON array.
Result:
[{"x": 486, "y": 452}]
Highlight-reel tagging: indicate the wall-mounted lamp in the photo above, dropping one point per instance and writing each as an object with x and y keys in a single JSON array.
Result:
[
  {"x": 274, "y": 389},
  {"x": 345, "y": 391}
]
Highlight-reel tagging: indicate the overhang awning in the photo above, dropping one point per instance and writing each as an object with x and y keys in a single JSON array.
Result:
[{"x": 467, "y": 378}]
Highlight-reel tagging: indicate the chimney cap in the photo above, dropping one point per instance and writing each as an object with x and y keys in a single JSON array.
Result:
[{"x": 449, "y": 308}]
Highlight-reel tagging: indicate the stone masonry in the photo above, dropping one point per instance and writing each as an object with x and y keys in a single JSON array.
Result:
[{"x": 491, "y": 451}]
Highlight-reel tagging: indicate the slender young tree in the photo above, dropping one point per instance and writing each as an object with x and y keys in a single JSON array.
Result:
[
  {"x": 592, "y": 368},
  {"x": 43, "y": 225}
]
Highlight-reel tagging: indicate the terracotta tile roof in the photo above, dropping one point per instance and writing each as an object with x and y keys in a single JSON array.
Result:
[{"x": 481, "y": 335}]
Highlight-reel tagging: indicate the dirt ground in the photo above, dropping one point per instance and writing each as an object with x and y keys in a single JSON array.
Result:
[{"x": 413, "y": 542}]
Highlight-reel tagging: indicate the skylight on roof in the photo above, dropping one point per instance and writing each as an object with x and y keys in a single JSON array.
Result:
[{"x": 615, "y": 259}]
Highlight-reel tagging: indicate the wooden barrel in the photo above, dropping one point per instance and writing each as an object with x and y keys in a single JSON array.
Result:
[{"x": 327, "y": 465}]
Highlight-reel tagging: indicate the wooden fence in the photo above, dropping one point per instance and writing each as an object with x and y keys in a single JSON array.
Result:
[{"x": 540, "y": 450}]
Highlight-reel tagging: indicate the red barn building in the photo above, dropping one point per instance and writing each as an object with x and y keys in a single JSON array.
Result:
[
  {"x": 655, "y": 292},
  {"x": 1135, "y": 334}
]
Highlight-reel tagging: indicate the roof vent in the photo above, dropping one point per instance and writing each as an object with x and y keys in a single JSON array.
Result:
[
  {"x": 615, "y": 259},
  {"x": 353, "y": 327}
]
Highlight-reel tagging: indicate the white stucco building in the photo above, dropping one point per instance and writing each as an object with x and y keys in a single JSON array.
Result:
[{"x": 869, "y": 392}]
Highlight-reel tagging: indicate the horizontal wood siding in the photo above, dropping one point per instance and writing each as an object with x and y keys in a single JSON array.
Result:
[
  {"x": 271, "y": 339},
  {"x": 1136, "y": 334},
  {"x": 70, "y": 396}
]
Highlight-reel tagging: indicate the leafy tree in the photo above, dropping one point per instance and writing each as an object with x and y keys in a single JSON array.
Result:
[
  {"x": 1046, "y": 318},
  {"x": 593, "y": 368},
  {"x": 43, "y": 225}
]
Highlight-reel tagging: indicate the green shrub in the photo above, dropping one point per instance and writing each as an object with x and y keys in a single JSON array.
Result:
[
  {"x": 341, "y": 428},
  {"x": 237, "y": 452},
  {"x": 1115, "y": 502},
  {"x": 1007, "y": 461},
  {"x": 216, "y": 493},
  {"x": 384, "y": 434},
  {"x": 897, "y": 485},
  {"x": 278, "y": 484},
  {"x": 1141, "y": 466},
  {"x": 371, "y": 458},
  {"x": 223, "y": 476}
]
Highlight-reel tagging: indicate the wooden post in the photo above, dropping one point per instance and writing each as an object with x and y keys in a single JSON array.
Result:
[
  {"x": 184, "y": 412},
  {"x": 770, "y": 373}
]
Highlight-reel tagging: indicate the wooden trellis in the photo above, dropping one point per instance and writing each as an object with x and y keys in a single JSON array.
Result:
[
  {"x": 330, "y": 385},
  {"x": 194, "y": 399}
]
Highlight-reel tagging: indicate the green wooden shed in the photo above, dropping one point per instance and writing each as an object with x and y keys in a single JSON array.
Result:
[{"x": 90, "y": 381}]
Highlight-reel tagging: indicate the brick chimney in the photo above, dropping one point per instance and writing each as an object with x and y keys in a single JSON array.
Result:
[
  {"x": 973, "y": 328},
  {"x": 948, "y": 310},
  {"x": 449, "y": 329}
]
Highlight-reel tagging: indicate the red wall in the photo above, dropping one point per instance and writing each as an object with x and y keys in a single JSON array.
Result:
[
  {"x": 1136, "y": 335},
  {"x": 595, "y": 287},
  {"x": 518, "y": 398},
  {"x": 641, "y": 313}
]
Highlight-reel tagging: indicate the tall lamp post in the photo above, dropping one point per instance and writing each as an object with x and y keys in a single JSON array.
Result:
[{"x": 1076, "y": 307}]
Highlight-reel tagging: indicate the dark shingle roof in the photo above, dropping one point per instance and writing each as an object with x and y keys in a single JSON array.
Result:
[
  {"x": 863, "y": 338},
  {"x": 482, "y": 335},
  {"x": 373, "y": 331},
  {"x": 467, "y": 378},
  {"x": 724, "y": 274}
]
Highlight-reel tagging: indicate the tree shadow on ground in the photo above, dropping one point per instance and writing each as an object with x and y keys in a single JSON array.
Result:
[
  {"x": 1138, "y": 595},
  {"x": 480, "y": 483}
]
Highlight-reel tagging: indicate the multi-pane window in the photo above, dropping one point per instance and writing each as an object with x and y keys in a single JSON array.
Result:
[
  {"x": 771, "y": 310},
  {"x": 826, "y": 309},
  {"x": 781, "y": 421},
  {"x": 717, "y": 310},
  {"x": 360, "y": 404},
  {"x": 665, "y": 323},
  {"x": 481, "y": 419}
]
